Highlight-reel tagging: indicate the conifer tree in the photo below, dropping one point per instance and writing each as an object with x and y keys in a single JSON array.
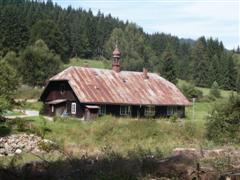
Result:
[
  {"x": 200, "y": 63},
  {"x": 9, "y": 82},
  {"x": 238, "y": 82},
  {"x": 230, "y": 74},
  {"x": 214, "y": 91},
  {"x": 48, "y": 31},
  {"x": 214, "y": 70},
  {"x": 168, "y": 67}
]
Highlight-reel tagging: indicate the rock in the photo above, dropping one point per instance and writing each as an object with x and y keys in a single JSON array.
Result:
[
  {"x": 18, "y": 151},
  {"x": 17, "y": 143},
  {"x": 2, "y": 150},
  {"x": 187, "y": 152}
]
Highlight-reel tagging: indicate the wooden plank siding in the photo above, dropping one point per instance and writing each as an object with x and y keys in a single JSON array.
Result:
[{"x": 62, "y": 90}]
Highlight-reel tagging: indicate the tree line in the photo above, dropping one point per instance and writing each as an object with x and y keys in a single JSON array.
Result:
[{"x": 37, "y": 35}]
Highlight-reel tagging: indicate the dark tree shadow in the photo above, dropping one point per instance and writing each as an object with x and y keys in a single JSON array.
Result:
[
  {"x": 4, "y": 130},
  {"x": 110, "y": 168}
]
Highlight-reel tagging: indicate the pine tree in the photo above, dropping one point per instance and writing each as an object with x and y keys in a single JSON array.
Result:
[
  {"x": 238, "y": 50},
  {"x": 214, "y": 91},
  {"x": 48, "y": 31},
  {"x": 183, "y": 70},
  {"x": 230, "y": 73},
  {"x": 200, "y": 63},
  {"x": 9, "y": 82},
  {"x": 238, "y": 82},
  {"x": 214, "y": 70},
  {"x": 168, "y": 67}
]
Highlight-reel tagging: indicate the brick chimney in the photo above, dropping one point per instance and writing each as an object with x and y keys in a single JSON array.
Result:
[
  {"x": 145, "y": 73},
  {"x": 116, "y": 59}
]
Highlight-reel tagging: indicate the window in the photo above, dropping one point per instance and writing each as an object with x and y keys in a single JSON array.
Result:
[
  {"x": 103, "y": 110},
  {"x": 125, "y": 110},
  {"x": 62, "y": 89},
  {"x": 73, "y": 108},
  {"x": 171, "y": 110},
  {"x": 52, "y": 108},
  {"x": 149, "y": 111}
]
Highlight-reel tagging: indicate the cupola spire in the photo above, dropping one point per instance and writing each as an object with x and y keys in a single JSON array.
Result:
[{"x": 116, "y": 59}]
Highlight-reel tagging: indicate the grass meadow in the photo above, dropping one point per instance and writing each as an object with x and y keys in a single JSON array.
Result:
[
  {"x": 121, "y": 135},
  {"x": 103, "y": 64}
]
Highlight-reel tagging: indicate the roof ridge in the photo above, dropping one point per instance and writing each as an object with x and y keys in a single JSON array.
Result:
[{"x": 110, "y": 70}]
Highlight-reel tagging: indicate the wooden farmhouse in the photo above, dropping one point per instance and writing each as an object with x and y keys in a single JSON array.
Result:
[{"x": 89, "y": 92}]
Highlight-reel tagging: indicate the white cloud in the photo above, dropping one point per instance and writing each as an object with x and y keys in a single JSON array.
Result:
[{"x": 185, "y": 18}]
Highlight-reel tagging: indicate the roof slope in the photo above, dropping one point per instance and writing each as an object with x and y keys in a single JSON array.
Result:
[{"x": 106, "y": 86}]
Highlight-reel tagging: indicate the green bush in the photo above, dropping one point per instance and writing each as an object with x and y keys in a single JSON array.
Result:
[
  {"x": 214, "y": 92},
  {"x": 47, "y": 146},
  {"x": 190, "y": 128},
  {"x": 4, "y": 130},
  {"x": 22, "y": 125},
  {"x": 27, "y": 92},
  {"x": 223, "y": 122},
  {"x": 191, "y": 91}
]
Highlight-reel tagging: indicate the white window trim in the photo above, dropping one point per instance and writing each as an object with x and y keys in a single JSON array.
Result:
[
  {"x": 73, "y": 108},
  {"x": 149, "y": 111},
  {"x": 125, "y": 110},
  {"x": 103, "y": 110}
]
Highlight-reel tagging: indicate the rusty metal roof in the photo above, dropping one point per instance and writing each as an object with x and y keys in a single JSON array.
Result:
[{"x": 100, "y": 86}]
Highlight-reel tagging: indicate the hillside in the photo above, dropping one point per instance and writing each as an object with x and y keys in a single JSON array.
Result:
[
  {"x": 69, "y": 32},
  {"x": 102, "y": 64}
]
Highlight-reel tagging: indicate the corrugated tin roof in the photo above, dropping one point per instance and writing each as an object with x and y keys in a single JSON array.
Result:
[{"x": 93, "y": 85}]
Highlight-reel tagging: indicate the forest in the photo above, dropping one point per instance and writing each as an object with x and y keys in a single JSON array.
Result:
[{"x": 37, "y": 37}]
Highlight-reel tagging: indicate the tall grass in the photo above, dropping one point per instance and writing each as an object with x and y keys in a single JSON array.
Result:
[{"x": 124, "y": 135}]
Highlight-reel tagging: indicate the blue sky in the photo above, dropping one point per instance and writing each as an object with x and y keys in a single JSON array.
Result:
[{"x": 183, "y": 18}]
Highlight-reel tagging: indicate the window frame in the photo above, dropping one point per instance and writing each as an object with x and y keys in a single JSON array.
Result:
[
  {"x": 172, "y": 110},
  {"x": 102, "y": 110},
  {"x": 73, "y": 108},
  {"x": 149, "y": 111},
  {"x": 52, "y": 108},
  {"x": 125, "y": 110},
  {"x": 62, "y": 89}
]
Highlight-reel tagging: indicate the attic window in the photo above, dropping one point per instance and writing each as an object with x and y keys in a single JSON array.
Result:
[{"x": 62, "y": 89}]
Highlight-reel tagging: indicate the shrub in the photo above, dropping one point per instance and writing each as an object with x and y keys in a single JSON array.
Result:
[
  {"x": 173, "y": 118},
  {"x": 191, "y": 91},
  {"x": 47, "y": 146},
  {"x": 190, "y": 128},
  {"x": 22, "y": 125},
  {"x": 4, "y": 130},
  {"x": 223, "y": 122},
  {"x": 214, "y": 91}
]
